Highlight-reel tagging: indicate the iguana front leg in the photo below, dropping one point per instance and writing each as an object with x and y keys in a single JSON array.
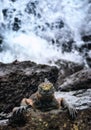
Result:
[
  {"x": 71, "y": 109},
  {"x": 26, "y": 104}
]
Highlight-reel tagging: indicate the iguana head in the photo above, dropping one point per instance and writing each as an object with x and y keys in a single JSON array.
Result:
[{"x": 46, "y": 88}]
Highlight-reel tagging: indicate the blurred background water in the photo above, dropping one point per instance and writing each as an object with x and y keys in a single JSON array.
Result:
[{"x": 45, "y": 31}]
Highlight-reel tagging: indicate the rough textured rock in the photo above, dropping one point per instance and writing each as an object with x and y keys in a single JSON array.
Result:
[
  {"x": 77, "y": 81},
  {"x": 86, "y": 48},
  {"x": 81, "y": 99},
  {"x": 66, "y": 68},
  {"x": 1, "y": 40},
  {"x": 53, "y": 120},
  {"x": 86, "y": 38}
]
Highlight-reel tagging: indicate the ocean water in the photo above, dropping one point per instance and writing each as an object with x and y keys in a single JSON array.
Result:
[{"x": 44, "y": 31}]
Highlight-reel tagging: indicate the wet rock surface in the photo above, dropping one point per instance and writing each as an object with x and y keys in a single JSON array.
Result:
[
  {"x": 21, "y": 79},
  {"x": 79, "y": 80},
  {"x": 66, "y": 69},
  {"x": 1, "y": 40},
  {"x": 81, "y": 99}
]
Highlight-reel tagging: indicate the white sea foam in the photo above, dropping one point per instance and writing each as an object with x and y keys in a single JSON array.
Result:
[{"x": 32, "y": 41}]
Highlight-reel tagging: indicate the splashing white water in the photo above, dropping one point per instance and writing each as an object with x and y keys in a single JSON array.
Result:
[{"x": 37, "y": 30}]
